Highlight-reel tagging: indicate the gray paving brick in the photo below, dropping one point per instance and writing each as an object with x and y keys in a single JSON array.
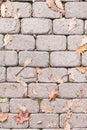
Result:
[
  {"x": 1, "y": 41},
  {"x": 48, "y": 121},
  {"x": 36, "y": 26},
  {"x": 4, "y": 107},
  {"x": 64, "y": 59},
  {"x": 21, "y": 42},
  {"x": 84, "y": 59},
  {"x": 9, "y": 25},
  {"x": 27, "y": 75},
  {"x": 2, "y": 74},
  {"x": 53, "y": 75},
  {"x": 51, "y": 42},
  {"x": 14, "y": 9},
  {"x": 37, "y": 58},
  {"x": 60, "y": 26},
  {"x": 28, "y": 103},
  {"x": 42, "y": 89}
]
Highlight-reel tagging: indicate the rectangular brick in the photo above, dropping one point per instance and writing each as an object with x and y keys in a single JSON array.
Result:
[
  {"x": 36, "y": 26},
  {"x": 40, "y": 9},
  {"x": 64, "y": 58},
  {"x": 61, "y": 26},
  {"x": 76, "y": 120},
  {"x": 42, "y": 89},
  {"x": 28, "y": 103},
  {"x": 4, "y": 107},
  {"x": 85, "y": 26},
  {"x": 76, "y": 9},
  {"x": 37, "y": 58},
  {"x": 62, "y": 105},
  {"x": 8, "y": 58},
  {"x": 1, "y": 41},
  {"x": 77, "y": 76},
  {"x": 16, "y": 9},
  {"x": 48, "y": 121},
  {"x": 21, "y": 42},
  {"x": 10, "y": 90},
  {"x": 27, "y": 74},
  {"x": 84, "y": 59},
  {"x": 53, "y": 75},
  {"x": 2, "y": 74},
  {"x": 73, "y": 90},
  {"x": 51, "y": 42},
  {"x": 11, "y": 122},
  {"x": 9, "y": 25},
  {"x": 74, "y": 41}
]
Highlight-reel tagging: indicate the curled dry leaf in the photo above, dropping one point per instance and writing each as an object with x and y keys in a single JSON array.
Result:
[
  {"x": 8, "y": 38},
  {"x": 20, "y": 81},
  {"x": 34, "y": 91},
  {"x": 81, "y": 49},
  {"x": 22, "y": 117},
  {"x": 82, "y": 69},
  {"x": 38, "y": 70},
  {"x": 3, "y": 117},
  {"x": 22, "y": 108},
  {"x": 27, "y": 61},
  {"x": 72, "y": 24},
  {"x": 53, "y": 94},
  {"x": 51, "y": 4}
]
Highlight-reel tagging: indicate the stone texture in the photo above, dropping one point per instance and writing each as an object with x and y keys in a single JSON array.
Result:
[
  {"x": 2, "y": 74},
  {"x": 4, "y": 107},
  {"x": 84, "y": 59},
  {"x": 1, "y": 41},
  {"x": 51, "y": 42},
  {"x": 21, "y": 42},
  {"x": 36, "y": 26},
  {"x": 60, "y": 26},
  {"x": 64, "y": 59}
]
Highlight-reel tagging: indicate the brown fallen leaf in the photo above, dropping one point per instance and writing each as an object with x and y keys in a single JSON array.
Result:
[
  {"x": 53, "y": 94},
  {"x": 22, "y": 117},
  {"x": 8, "y": 38},
  {"x": 20, "y": 81},
  {"x": 38, "y": 70},
  {"x": 71, "y": 74},
  {"x": 3, "y": 116},
  {"x": 59, "y": 4},
  {"x": 72, "y": 24},
  {"x": 82, "y": 69},
  {"x": 1, "y": 1},
  {"x": 51, "y": 4},
  {"x": 81, "y": 49},
  {"x": 22, "y": 108},
  {"x": 67, "y": 126}
]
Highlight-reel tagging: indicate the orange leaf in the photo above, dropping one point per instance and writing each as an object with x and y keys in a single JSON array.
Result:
[
  {"x": 53, "y": 94},
  {"x": 82, "y": 69},
  {"x": 38, "y": 70},
  {"x": 3, "y": 117},
  {"x": 81, "y": 49},
  {"x": 22, "y": 117}
]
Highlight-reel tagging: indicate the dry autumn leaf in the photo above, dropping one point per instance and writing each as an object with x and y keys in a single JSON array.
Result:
[
  {"x": 8, "y": 38},
  {"x": 67, "y": 126},
  {"x": 72, "y": 24},
  {"x": 27, "y": 61},
  {"x": 34, "y": 91},
  {"x": 39, "y": 122},
  {"x": 53, "y": 94},
  {"x": 82, "y": 69},
  {"x": 22, "y": 108},
  {"x": 38, "y": 70},
  {"x": 20, "y": 81},
  {"x": 59, "y": 4},
  {"x": 71, "y": 73},
  {"x": 3, "y": 117},
  {"x": 51, "y": 4},
  {"x": 22, "y": 117},
  {"x": 81, "y": 49}
]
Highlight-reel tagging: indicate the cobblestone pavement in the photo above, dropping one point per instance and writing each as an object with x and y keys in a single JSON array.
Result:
[{"x": 32, "y": 31}]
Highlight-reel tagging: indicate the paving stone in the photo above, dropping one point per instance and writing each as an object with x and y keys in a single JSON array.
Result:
[
  {"x": 11, "y": 123},
  {"x": 76, "y": 9},
  {"x": 16, "y": 9},
  {"x": 48, "y": 121},
  {"x": 76, "y": 120},
  {"x": 21, "y": 42},
  {"x": 84, "y": 59},
  {"x": 73, "y": 90},
  {"x": 11, "y": 90},
  {"x": 51, "y": 42},
  {"x": 28, "y": 103},
  {"x": 2, "y": 74},
  {"x": 41, "y": 89},
  {"x": 8, "y": 58},
  {"x": 9, "y": 25},
  {"x": 1, "y": 41},
  {"x": 64, "y": 59},
  {"x": 60, "y": 26},
  {"x": 53, "y": 75},
  {"x": 26, "y": 75},
  {"x": 36, "y": 26},
  {"x": 37, "y": 58},
  {"x": 40, "y": 9},
  {"x": 4, "y": 107}
]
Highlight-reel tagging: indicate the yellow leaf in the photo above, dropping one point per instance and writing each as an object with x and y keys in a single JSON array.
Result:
[
  {"x": 3, "y": 117},
  {"x": 81, "y": 49},
  {"x": 72, "y": 24}
]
